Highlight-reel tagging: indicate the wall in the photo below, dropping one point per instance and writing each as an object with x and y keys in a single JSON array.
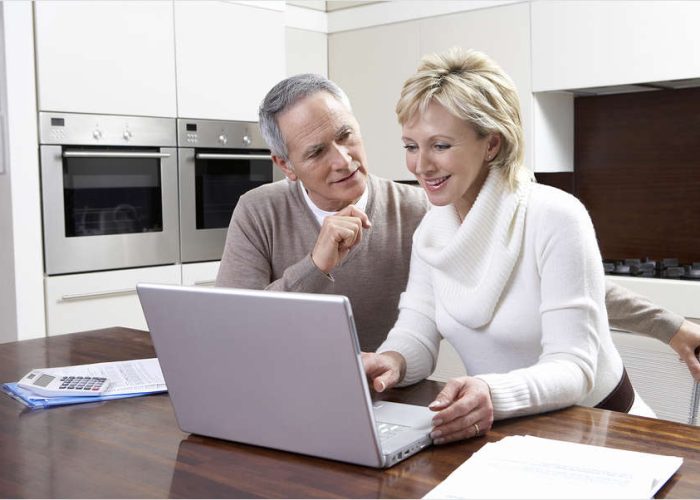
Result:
[
  {"x": 307, "y": 51},
  {"x": 371, "y": 65}
]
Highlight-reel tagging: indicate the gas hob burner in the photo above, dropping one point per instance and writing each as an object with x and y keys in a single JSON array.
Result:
[{"x": 668, "y": 268}]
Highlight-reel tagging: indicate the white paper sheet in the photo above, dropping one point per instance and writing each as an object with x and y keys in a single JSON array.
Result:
[
  {"x": 127, "y": 377},
  {"x": 530, "y": 467}
]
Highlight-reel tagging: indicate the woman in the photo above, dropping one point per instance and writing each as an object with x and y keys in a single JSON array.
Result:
[{"x": 508, "y": 271}]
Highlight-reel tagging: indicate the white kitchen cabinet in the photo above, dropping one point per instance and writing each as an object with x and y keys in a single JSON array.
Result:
[
  {"x": 579, "y": 44},
  {"x": 21, "y": 259},
  {"x": 108, "y": 57},
  {"x": 658, "y": 376},
  {"x": 88, "y": 301},
  {"x": 553, "y": 131},
  {"x": 228, "y": 57},
  {"x": 200, "y": 273}
]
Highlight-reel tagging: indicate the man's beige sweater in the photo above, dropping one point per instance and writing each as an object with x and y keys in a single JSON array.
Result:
[{"x": 273, "y": 231}]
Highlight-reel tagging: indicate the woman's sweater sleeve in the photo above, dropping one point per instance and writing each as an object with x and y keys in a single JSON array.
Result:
[{"x": 415, "y": 335}]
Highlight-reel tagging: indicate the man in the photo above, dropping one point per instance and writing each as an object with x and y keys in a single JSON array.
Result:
[{"x": 331, "y": 227}]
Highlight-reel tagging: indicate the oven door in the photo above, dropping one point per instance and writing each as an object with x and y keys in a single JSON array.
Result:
[
  {"x": 211, "y": 181},
  {"x": 108, "y": 208}
]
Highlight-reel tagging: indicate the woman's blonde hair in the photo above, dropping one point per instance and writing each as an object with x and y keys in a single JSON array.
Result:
[{"x": 473, "y": 87}]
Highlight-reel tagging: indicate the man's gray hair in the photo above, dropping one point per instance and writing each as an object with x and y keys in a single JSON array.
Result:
[{"x": 285, "y": 94}]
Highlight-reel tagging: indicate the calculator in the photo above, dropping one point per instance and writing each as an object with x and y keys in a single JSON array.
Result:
[{"x": 47, "y": 385}]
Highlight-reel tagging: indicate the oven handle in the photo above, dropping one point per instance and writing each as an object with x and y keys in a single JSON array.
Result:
[
  {"x": 224, "y": 156},
  {"x": 113, "y": 154}
]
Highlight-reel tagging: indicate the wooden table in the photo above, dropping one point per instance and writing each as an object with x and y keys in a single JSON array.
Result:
[{"x": 133, "y": 448}]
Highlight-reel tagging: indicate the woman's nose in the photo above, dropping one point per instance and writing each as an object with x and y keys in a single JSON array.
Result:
[{"x": 421, "y": 163}]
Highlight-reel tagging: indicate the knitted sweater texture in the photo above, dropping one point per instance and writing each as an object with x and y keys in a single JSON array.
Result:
[
  {"x": 273, "y": 231},
  {"x": 518, "y": 289}
]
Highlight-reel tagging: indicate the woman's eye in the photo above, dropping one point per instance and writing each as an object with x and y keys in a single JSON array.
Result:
[
  {"x": 410, "y": 147},
  {"x": 442, "y": 147}
]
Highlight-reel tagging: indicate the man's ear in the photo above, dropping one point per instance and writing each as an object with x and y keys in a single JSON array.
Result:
[{"x": 285, "y": 166}]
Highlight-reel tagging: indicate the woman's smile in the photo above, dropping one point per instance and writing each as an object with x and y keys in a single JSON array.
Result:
[{"x": 435, "y": 183}]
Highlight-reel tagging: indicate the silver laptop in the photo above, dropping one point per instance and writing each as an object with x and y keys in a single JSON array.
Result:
[{"x": 276, "y": 369}]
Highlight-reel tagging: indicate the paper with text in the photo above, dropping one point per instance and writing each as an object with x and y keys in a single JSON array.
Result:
[
  {"x": 531, "y": 467},
  {"x": 134, "y": 376}
]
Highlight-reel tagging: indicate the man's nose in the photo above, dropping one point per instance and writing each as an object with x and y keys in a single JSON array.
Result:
[{"x": 340, "y": 156}]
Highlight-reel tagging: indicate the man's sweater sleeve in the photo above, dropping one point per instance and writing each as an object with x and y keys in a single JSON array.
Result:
[
  {"x": 247, "y": 257},
  {"x": 635, "y": 313}
]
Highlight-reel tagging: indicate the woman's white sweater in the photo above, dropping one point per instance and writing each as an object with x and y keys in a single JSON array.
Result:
[{"x": 518, "y": 289}]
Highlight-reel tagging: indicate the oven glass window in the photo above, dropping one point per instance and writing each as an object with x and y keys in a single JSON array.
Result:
[
  {"x": 112, "y": 195},
  {"x": 219, "y": 183}
]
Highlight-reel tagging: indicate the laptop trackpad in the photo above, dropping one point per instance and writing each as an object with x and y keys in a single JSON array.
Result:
[{"x": 418, "y": 417}]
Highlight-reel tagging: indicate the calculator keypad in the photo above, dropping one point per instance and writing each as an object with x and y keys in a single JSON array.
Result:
[{"x": 87, "y": 384}]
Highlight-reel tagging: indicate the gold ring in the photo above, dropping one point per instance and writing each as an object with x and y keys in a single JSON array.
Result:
[{"x": 476, "y": 429}]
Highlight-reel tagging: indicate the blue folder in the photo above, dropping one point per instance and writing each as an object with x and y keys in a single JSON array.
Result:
[{"x": 33, "y": 401}]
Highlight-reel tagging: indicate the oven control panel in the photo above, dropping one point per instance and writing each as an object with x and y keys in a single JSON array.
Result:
[
  {"x": 219, "y": 134},
  {"x": 106, "y": 130}
]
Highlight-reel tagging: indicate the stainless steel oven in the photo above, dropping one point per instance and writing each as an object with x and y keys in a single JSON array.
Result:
[
  {"x": 218, "y": 161},
  {"x": 109, "y": 191}
]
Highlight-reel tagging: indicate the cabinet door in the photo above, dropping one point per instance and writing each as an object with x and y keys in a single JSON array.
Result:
[
  {"x": 106, "y": 57},
  {"x": 658, "y": 376},
  {"x": 200, "y": 273},
  {"x": 228, "y": 57},
  {"x": 579, "y": 44},
  {"x": 88, "y": 301}
]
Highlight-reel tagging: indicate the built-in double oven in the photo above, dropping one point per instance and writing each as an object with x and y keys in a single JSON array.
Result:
[
  {"x": 218, "y": 162},
  {"x": 117, "y": 193},
  {"x": 109, "y": 192}
]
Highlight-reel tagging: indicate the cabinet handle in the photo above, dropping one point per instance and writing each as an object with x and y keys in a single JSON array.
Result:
[
  {"x": 224, "y": 156},
  {"x": 97, "y": 295},
  {"x": 113, "y": 154},
  {"x": 205, "y": 283}
]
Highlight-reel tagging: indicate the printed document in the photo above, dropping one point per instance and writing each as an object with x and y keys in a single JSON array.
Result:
[
  {"x": 129, "y": 379},
  {"x": 531, "y": 467}
]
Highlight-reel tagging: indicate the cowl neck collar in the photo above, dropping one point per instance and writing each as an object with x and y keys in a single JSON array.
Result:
[{"x": 472, "y": 261}]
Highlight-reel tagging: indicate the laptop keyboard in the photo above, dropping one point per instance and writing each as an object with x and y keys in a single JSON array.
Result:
[{"x": 387, "y": 431}]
